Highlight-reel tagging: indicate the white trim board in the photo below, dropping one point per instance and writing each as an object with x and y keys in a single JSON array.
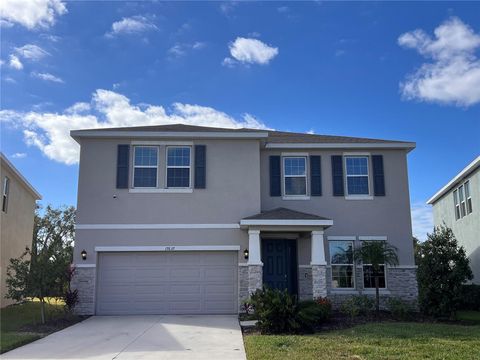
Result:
[
  {"x": 154, "y": 226},
  {"x": 84, "y": 265},
  {"x": 340, "y": 238},
  {"x": 161, "y": 190},
  {"x": 372, "y": 238},
  {"x": 287, "y": 222},
  {"x": 399, "y": 145},
  {"x": 171, "y": 248}
]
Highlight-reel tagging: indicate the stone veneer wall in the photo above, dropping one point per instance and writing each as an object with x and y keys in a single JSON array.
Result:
[
  {"x": 319, "y": 281},
  {"x": 250, "y": 278},
  {"x": 401, "y": 283},
  {"x": 305, "y": 291},
  {"x": 84, "y": 281}
]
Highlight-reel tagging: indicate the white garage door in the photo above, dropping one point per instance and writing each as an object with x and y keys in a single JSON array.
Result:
[{"x": 167, "y": 283}]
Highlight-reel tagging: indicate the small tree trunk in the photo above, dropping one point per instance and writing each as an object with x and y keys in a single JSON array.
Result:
[
  {"x": 42, "y": 309},
  {"x": 377, "y": 297}
]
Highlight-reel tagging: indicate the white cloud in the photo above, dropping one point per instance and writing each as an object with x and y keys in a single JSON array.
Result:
[
  {"x": 229, "y": 62},
  {"x": 283, "y": 9},
  {"x": 422, "y": 220},
  {"x": 181, "y": 49},
  {"x": 31, "y": 52},
  {"x": 32, "y": 14},
  {"x": 132, "y": 25},
  {"x": 46, "y": 77},
  {"x": 453, "y": 74},
  {"x": 252, "y": 51},
  {"x": 228, "y": 7},
  {"x": 9, "y": 79},
  {"x": 18, "y": 155},
  {"x": 15, "y": 62},
  {"x": 49, "y": 131}
]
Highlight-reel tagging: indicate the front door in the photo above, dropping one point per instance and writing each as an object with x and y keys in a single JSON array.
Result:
[{"x": 279, "y": 257}]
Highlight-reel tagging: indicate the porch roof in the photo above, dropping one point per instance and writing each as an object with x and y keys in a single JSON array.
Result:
[{"x": 283, "y": 216}]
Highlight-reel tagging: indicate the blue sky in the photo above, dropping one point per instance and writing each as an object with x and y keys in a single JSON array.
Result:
[{"x": 407, "y": 71}]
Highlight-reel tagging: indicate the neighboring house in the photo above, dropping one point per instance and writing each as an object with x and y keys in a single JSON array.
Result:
[
  {"x": 457, "y": 205},
  {"x": 17, "y": 213},
  {"x": 179, "y": 219}
]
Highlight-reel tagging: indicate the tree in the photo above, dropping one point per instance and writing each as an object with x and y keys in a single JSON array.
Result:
[
  {"x": 377, "y": 254},
  {"x": 442, "y": 269},
  {"x": 417, "y": 249},
  {"x": 41, "y": 271}
]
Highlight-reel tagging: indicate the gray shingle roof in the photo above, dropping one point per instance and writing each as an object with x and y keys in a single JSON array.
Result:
[
  {"x": 273, "y": 136},
  {"x": 284, "y": 214}
]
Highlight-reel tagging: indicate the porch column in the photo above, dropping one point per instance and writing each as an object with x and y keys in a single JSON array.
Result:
[
  {"x": 254, "y": 261},
  {"x": 319, "y": 265}
]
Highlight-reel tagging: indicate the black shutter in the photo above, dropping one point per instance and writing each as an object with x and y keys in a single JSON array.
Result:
[
  {"x": 275, "y": 176},
  {"x": 315, "y": 175},
  {"x": 378, "y": 175},
  {"x": 200, "y": 166},
  {"x": 337, "y": 175},
  {"x": 123, "y": 156}
]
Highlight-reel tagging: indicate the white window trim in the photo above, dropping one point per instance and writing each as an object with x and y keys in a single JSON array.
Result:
[
  {"x": 5, "y": 194},
  {"x": 144, "y": 167},
  {"x": 463, "y": 205},
  {"x": 189, "y": 167},
  {"x": 295, "y": 197},
  {"x": 469, "y": 198},
  {"x": 357, "y": 196},
  {"x": 384, "y": 274},
  {"x": 456, "y": 205},
  {"x": 354, "y": 276},
  {"x": 372, "y": 238}
]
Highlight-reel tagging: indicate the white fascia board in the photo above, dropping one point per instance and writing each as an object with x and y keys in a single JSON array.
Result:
[
  {"x": 20, "y": 177},
  {"x": 154, "y": 226},
  {"x": 452, "y": 182},
  {"x": 167, "y": 134},
  {"x": 403, "y": 145},
  {"x": 287, "y": 222},
  {"x": 171, "y": 248},
  {"x": 340, "y": 237}
]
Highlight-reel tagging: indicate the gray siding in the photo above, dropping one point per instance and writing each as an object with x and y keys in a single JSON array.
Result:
[
  {"x": 466, "y": 229},
  {"x": 383, "y": 216}
]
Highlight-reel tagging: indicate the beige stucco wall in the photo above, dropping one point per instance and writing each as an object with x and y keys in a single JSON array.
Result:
[
  {"x": 16, "y": 225},
  {"x": 466, "y": 229}
]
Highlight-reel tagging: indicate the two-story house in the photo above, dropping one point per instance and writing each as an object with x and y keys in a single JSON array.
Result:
[
  {"x": 179, "y": 219},
  {"x": 16, "y": 219},
  {"x": 457, "y": 206}
]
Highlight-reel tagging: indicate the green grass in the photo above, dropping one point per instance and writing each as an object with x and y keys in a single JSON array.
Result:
[
  {"x": 372, "y": 341},
  {"x": 14, "y": 319}
]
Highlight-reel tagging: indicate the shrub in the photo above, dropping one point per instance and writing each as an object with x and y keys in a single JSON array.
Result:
[
  {"x": 398, "y": 308},
  {"x": 470, "y": 297},
  {"x": 442, "y": 270},
  {"x": 357, "y": 305},
  {"x": 276, "y": 311},
  {"x": 279, "y": 312},
  {"x": 70, "y": 297}
]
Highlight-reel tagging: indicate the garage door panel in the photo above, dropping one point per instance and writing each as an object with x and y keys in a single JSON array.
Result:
[{"x": 167, "y": 283}]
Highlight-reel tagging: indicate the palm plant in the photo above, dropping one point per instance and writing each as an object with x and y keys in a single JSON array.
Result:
[{"x": 376, "y": 254}]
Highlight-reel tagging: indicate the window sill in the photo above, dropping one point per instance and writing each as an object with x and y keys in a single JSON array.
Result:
[
  {"x": 358, "y": 292},
  {"x": 359, "y": 197},
  {"x": 150, "y": 190},
  {"x": 294, "y": 197}
]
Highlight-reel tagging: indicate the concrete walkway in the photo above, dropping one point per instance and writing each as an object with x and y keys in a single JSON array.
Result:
[{"x": 141, "y": 337}]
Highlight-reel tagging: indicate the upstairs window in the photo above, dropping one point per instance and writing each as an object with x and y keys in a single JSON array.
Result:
[
  {"x": 341, "y": 261},
  {"x": 145, "y": 166},
  {"x": 295, "y": 176},
  {"x": 468, "y": 197},
  {"x": 357, "y": 175},
  {"x": 462, "y": 200},
  {"x": 6, "y": 190},
  {"x": 178, "y": 167},
  {"x": 457, "y": 205}
]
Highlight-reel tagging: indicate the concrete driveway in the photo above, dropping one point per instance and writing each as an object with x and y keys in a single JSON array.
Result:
[{"x": 141, "y": 337}]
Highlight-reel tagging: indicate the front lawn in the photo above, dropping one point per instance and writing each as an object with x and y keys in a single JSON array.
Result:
[
  {"x": 372, "y": 341},
  {"x": 20, "y": 324}
]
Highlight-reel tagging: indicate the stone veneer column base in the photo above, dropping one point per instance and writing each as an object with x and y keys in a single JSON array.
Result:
[
  {"x": 319, "y": 281},
  {"x": 84, "y": 281},
  {"x": 249, "y": 280},
  {"x": 305, "y": 283}
]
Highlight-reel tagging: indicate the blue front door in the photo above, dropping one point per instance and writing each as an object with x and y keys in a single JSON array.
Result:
[{"x": 279, "y": 257}]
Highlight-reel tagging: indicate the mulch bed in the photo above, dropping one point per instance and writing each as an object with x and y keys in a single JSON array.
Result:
[{"x": 52, "y": 325}]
